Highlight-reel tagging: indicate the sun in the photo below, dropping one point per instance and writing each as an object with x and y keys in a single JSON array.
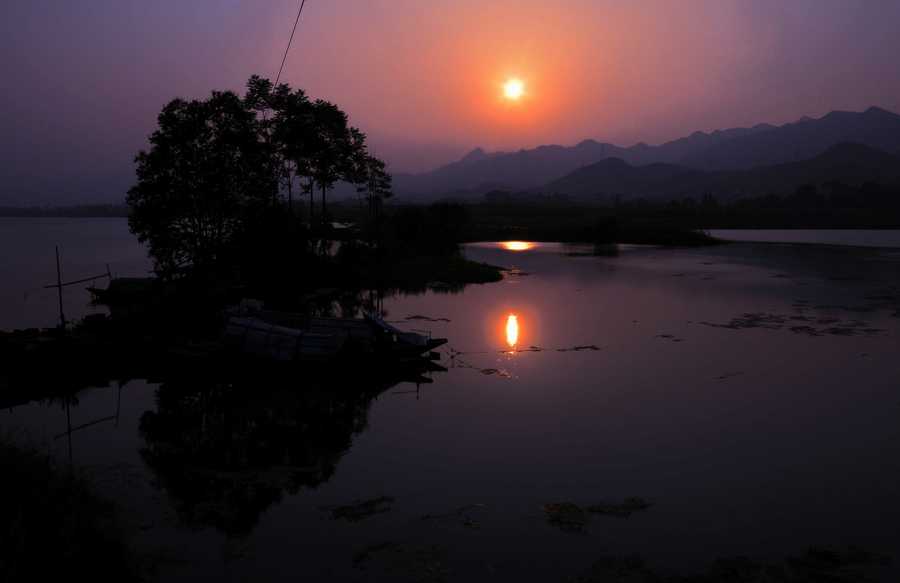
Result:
[{"x": 513, "y": 89}]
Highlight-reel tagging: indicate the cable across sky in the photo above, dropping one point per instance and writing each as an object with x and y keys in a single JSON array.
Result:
[{"x": 290, "y": 42}]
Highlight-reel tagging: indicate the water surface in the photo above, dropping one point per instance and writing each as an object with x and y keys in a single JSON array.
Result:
[
  {"x": 748, "y": 391},
  {"x": 850, "y": 237},
  {"x": 28, "y": 264}
]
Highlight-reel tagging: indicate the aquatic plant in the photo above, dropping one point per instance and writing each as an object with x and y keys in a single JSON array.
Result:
[{"x": 360, "y": 510}]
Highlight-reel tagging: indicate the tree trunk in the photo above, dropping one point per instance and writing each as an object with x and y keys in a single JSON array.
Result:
[{"x": 291, "y": 194}]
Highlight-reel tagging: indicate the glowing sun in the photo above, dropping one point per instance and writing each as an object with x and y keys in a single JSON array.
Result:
[{"x": 513, "y": 89}]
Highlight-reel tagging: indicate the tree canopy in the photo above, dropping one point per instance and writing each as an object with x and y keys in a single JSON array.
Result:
[{"x": 216, "y": 168}]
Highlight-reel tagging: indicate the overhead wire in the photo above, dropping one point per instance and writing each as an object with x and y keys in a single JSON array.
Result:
[{"x": 290, "y": 42}]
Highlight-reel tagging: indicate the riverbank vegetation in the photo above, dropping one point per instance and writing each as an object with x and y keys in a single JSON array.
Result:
[{"x": 833, "y": 205}]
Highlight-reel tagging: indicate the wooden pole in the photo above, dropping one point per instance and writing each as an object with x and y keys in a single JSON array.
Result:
[
  {"x": 59, "y": 289},
  {"x": 69, "y": 427}
]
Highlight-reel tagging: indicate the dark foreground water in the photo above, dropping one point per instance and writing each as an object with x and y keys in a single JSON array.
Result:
[{"x": 751, "y": 393}]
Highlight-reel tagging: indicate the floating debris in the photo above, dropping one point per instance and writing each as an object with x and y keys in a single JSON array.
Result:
[
  {"x": 457, "y": 360},
  {"x": 671, "y": 337},
  {"x": 752, "y": 320},
  {"x": 455, "y": 354},
  {"x": 625, "y": 509},
  {"x": 567, "y": 516},
  {"x": 816, "y": 565},
  {"x": 580, "y": 348},
  {"x": 571, "y": 517},
  {"x": 826, "y": 325},
  {"x": 463, "y": 515},
  {"x": 427, "y": 319},
  {"x": 808, "y": 330},
  {"x": 728, "y": 375},
  {"x": 361, "y": 510},
  {"x": 403, "y": 562},
  {"x": 619, "y": 569},
  {"x": 822, "y": 560},
  {"x": 362, "y": 557}
]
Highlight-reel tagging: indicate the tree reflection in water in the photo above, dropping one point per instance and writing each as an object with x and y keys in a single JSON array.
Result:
[{"x": 225, "y": 450}]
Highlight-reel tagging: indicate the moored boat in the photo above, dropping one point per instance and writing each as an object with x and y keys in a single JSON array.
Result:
[{"x": 289, "y": 337}]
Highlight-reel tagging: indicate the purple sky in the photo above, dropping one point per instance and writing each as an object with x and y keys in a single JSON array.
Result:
[{"x": 84, "y": 80}]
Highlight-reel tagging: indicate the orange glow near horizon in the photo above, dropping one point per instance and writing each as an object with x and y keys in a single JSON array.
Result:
[
  {"x": 511, "y": 75},
  {"x": 512, "y": 331},
  {"x": 517, "y": 245}
]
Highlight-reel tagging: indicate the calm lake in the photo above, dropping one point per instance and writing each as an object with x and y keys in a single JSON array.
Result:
[{"x": 749, "y": 392}]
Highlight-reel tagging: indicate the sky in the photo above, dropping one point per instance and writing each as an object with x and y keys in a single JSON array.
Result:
[{"x": 84, "y": 80}]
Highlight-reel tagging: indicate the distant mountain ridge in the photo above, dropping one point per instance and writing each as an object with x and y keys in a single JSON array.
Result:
[
  {"x": 721, "y": 150},
  {"x": 849, "y": 163}
]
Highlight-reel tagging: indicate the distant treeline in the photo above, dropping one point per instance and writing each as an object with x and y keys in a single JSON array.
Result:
[
  {"x": 832, "y": 205},
  {"x": 81, "y": 210},
  {"x": 829, "y": 205}
]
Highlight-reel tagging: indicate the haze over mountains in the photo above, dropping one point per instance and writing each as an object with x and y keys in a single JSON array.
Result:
[{"x": 846, "y": 146}]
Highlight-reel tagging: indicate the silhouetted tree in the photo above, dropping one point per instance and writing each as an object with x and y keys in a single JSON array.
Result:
[
  {"x": 288, "y": 120},
  {"x": 221, "y": 167},
  {"x": 373, "y": 182},
  {"x": 333, "y": 148},
  {"x": 435, "y": 229},
  {"x": 206, "y": 172}
]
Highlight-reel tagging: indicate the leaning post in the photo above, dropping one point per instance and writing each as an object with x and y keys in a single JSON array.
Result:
[{"x": 59, "y": 289}]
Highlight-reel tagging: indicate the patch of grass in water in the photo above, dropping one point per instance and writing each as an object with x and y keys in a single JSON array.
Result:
[
  {"x": 360, "y": 510},
  {"x": 624, "y": 509},
  {"x": 816, "y": 565},
  {"x": 571, "y": 517}
]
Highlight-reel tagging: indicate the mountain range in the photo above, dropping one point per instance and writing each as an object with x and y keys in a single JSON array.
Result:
[
  {"x": 862, "y": 145},
  {"x": 848, "y": 163}
]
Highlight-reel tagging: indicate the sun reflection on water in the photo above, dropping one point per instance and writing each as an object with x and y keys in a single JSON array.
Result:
[
  {"x": 512, "y": 331},
  {"x": 517, "y": 245}
]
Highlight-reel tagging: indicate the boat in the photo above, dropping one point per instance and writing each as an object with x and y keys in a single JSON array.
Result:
[{"x": 289, "y": 337}]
